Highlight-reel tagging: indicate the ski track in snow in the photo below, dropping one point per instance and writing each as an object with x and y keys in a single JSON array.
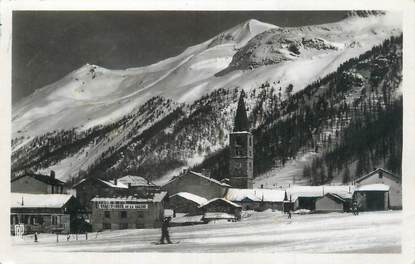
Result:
[{"x": 369, "y": 232}]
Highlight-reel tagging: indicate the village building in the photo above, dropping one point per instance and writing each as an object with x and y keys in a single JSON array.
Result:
[
  {"x": 44, "y": 213},
  {"x": 382, "y": 176},
  {"x": 305, "y": 197},
  {"x": 127, "y": 212},
  {"x": 196, "y": 183},
  {"x": 219, "y": 209},
  {"x": 331, "y": 202},
  {"x": 88, "y": 188},
  {"x": 37, "y": 184},
  {"x": 184, "y": 202},
  {"x": 241, "y": 146},
  {"x": 257, "y": 199},
  {"x": 139, "y": 184},
  {"x": 372, "y": 197}
]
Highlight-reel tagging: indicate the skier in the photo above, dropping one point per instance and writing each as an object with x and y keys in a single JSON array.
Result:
[
  {"x": 165, "y": 230},
  {"x": 35, "y": 236}
]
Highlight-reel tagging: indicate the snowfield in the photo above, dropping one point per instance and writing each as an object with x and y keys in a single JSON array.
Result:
[{"x": 369, "y": 232}]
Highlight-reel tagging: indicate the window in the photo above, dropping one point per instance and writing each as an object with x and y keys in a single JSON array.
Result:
[
  {"x": 107, "y": 214},
  {"x": 39, "y": 219},
  {"x": 14, "y": 220},
  {"x": 123, "y": 214},
  {"x": 33, "y": 220},
  {"x": 54, "y": 219},
  {"x": 106, "y": 226}
]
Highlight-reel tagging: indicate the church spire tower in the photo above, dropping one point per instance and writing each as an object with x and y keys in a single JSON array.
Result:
[{"x": 241, "y": 169}]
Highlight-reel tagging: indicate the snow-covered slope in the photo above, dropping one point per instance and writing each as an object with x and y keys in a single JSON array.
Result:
[
  {"x": 93, "y": 95},
  {"x": 122, "y": 117}
]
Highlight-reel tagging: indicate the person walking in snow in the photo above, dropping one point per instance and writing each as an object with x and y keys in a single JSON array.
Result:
[
  {"x": 355, "y": 208},
  {"x": 289, "y": 214},
  {"x": 165, "y": 230}
]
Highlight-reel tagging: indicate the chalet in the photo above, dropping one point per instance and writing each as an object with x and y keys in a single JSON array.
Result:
[
  {"x": 44, "y": 212},
  {"x": 196, "y": 183},
  {"x": 90, "y": 187},
  {"x": 382, "y": 176},
  {"x": 257, "y": 199},
  {"x": 220, "y": 208},
  {"x": 127, "y": 212},
  {"x": 305, "y": 197},
  {"x": 372, "y": 197},
  {"x": 331, "y": 202},
  {"x": 184, "y": 202},
  {"x": 37, "y": 184}
]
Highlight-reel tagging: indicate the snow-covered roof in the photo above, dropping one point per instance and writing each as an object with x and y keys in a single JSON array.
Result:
[
  {"x": 40, "y": 177},
  {"x": 218, "y": 215},
  {"x": 210, "y": 179},
  {"x": 192, "y": 197},
  {"x": 379, "y": 170},
  {"x": 266, "y": 195},
  {"x": 199, "y": 175},
  {"x": 108, "y": 183},
  {"x": 374, "y": 187},
  {"x": 344, "y": 191},
  {"x": 113, "y": 185},
  {"x": 135, "y": 181},
  {"x": 220, "y": 199},
  {"x": 28, "y": 200},
  {"x": 333, "y": 196},
  {"x": 158, "y": 197}
]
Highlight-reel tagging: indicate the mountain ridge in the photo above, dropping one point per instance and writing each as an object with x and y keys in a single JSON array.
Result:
[{"x": 183, "y": 95}]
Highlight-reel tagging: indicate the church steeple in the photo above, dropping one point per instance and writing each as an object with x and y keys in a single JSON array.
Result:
[
  {"x": 241, "y": 122},
  {"x": 241, "y": 146}
]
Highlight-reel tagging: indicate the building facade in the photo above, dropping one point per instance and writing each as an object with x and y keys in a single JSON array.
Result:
[
  {"x": 220, "y": 208},
  {"x": 382, "y": 176},
  {"x": 127, "y": 212},
  {"x": 44, "y": 213},
  {"x": 330, "y": 203},
  {"x": 91, "y": 187},
  {"x": 37, "y": 184},
  {"x": 196, "y": 183},
  {"x": 184, "y": 202}
]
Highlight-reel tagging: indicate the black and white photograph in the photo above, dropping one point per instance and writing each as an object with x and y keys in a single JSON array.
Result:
[{"x": 210, "y": 131}]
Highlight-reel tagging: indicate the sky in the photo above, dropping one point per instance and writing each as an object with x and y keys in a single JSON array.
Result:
[{"x": 47, "y": 45}]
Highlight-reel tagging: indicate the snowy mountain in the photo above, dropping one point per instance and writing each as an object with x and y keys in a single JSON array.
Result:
[{"x": 158, "y": 119}]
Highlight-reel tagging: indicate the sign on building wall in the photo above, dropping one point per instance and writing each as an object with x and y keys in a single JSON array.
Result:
[
  {"x": 118, "y": 205},
  {"x": 19, "y": 230}
]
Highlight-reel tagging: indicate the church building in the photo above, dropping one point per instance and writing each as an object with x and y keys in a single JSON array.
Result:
[{"x": 241, "y": 164}]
